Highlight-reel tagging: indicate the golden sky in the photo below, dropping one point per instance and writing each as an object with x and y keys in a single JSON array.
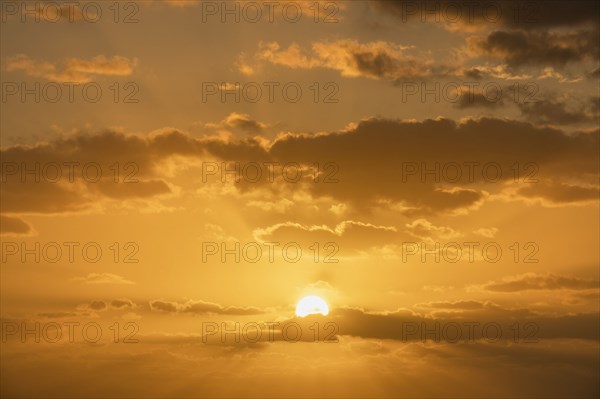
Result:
[{"x": 177, "y": 175}]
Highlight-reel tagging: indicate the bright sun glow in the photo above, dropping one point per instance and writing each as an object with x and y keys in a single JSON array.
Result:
[{"x": 311, "y": 305}]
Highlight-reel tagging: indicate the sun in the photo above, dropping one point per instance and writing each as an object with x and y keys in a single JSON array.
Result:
[{"x": 311, "y": 304}]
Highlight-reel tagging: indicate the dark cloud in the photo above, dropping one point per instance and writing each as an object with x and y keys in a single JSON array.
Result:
[
  {"x": 549, "y": 14},
  {"x": 525, "y": 33},
  {"x": 561, "y": 193},
  {"x": 97, "y": 305},
  {"x": 85, "y": 167},
  {"x": 523, "y": 14},
  {"x": 534, "y": 281},
  {"x": 42, "y": 197},
  {"x": 375, "y": 153},
  {"x": 474, "y": 73},
  {"x": 554, "y": 368},
  {"x": 374, "y": 60},
  {"x": 555, "y": 112},
  {"x": 376, "y": 64},
  {"x": 519, "y": 48},
  {"x": 395, "y": 325},
  {"x": 543, "y": 106},
  {"x": 470, "y": 100},
  {"x": 468, "y": 321},
  {"x": 122, "y": 304},
  {"x": 202, "y": 308},
  {"x": 163, "y": 306},
  {"x": 14, "y": 226}
]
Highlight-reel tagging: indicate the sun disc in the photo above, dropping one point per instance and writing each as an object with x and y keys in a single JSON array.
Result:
[{"x": 311, "y": 304}]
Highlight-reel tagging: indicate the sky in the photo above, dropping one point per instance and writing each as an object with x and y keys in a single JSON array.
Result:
[{"x": 177, "y": 175}]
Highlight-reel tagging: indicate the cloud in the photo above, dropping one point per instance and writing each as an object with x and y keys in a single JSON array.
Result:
[
  {"x": 536, "y": 107},
  {"x": 58, "y": 315},
  {"x": 163, "y": 306},
  {"x": 374, "y": 60},
  {"x": 97, "y": 305},
  {"x": 520, "y": 48},
  {"x": 14, "y": 226},
  {"x": 486, "y": 232},
  {"x": 463, "y": 15},
  {"x": 422, "y": 228},
  {"x": 534, "y": 281},
  {"x": 395, "y": 325},
  {"x": 202, "y": 308},
  {"x": 518, "y": 33},
  {"x": 457, "y": 305},
  {"x": 454, "y": 322},
  {"x": 554, "y": 368},
  {"x": 239, "y": 121},
  {"x": 103, "y": 278},
  {"x": 377, "y": 153},
  {"x": 391, "y": 157},
  {"x": 77, "y": 160},
  {"x": 122, "y": 304},
  {"x": 76, "y": 70},
  {"x": 347, "y": 234},
  {"x": 470, "y": 100},
  {"x": 549, "y": 73},
  {"x": 557, "y": 193},
  {"x": 560, "y": 111}
]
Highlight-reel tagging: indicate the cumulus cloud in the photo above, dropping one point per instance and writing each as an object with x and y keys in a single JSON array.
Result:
[
  {"x": 377, "y": 153},
  {"x": 347, "y": 234},
  {"x": 391, "y": 157},
  {"x": 72, "y": 173}
]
